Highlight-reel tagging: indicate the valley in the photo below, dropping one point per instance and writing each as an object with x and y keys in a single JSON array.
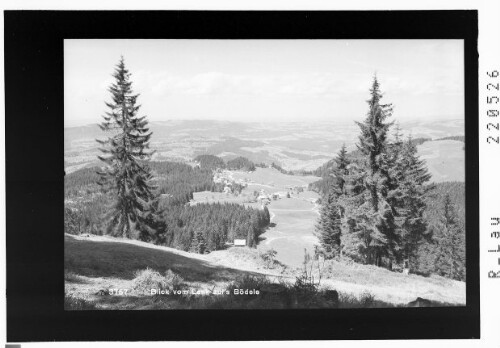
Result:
[
  {"x": 292, "y": 207},
  {"x": 294, "y": 146}
]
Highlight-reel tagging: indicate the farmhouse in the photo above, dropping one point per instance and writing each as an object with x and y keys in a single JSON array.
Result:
[
  {"x": 264, "y": 199},
  {"x": 240, "y": 242}
]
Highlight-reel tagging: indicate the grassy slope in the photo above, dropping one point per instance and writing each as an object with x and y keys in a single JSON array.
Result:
[
  {"x": 393, "y": 287},
  {"x": 272, "y": 177},
  {"x": 99, "y": 263},
  {"x": 108, "y": 257},
  {"x": 292, "y": 230}
]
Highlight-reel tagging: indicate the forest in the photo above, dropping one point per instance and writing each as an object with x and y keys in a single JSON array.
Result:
[
  {"x": 212, "y": 162},
  {"x": 80, "y": 182},
  {"x": 177, "y": 181},
  {"x": 281, "y": 169},
  {"x": 206, "y": 227},
  {"x": 241, "y": 163}
]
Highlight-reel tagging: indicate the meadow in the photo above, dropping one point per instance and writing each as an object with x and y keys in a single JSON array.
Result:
[
  {"x": 445, "y": 159},
  {"x": 103, "y": 272}
]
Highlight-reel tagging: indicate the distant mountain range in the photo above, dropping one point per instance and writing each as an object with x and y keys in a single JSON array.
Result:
[{"x": 294, "y": 146}]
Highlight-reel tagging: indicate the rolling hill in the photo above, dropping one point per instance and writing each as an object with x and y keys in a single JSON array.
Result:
[{"x": 294, "y": 146}]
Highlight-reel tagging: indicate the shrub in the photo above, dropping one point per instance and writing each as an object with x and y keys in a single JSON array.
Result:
[
  {"x": 148, "y": 279},
  {"x": 176, "y": 281},
  {"x": 249, "y": 282},
  {"x": 72, "y": 277},
  {"x": 367, "y": 299},
  {"x": 71, "y": 221},
  {"x": 312, "y": 265},
  {"x": 268, "y": 257}
]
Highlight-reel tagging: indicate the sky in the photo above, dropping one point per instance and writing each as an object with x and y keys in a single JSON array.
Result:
[{"x": 267, "y": 80}]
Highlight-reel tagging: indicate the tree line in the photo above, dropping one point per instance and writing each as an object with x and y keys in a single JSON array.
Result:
[
  {"x": 374, "y": 202},
  {"x": 199, "y": 228},
  {"x": 240, "y": 163},
  {"x": 80, "y": 182},
  {"x": 177, "y": 181},
  {"x": 456, "y": 137},
  {"x": 213, "y": 162}
]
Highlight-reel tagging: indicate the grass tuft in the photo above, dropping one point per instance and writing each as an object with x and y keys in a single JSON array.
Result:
[{"x": 148, "y": 279}]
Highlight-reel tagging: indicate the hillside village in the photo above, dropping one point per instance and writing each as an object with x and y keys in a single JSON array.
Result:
[{"x": 264, "y": 196}]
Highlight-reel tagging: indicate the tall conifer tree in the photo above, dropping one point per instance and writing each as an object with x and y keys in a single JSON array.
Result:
[
  {"x": 375, "y": 218},
  {"x": 392, "y": 168},
  {"x": 393, "y": 171},
  {"x": 125, "y": 155},
  {"x": 412, "y": 189},
  {"x": 329, "y": 225},
  {"x": 373, "y": 140},
  {"x": 341, "y": 170},
  {"x": 354, "y": 241},
  {"x": 450, "y": 258}
]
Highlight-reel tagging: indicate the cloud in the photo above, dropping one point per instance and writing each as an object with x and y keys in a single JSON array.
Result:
[
  {"x": 217, "y": 83},
  {"x": 439, "y": 84},
  {"x": 307, "y": 85}
]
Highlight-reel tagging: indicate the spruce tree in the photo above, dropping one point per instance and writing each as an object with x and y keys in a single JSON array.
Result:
[
  {"x": 411, "y": 192},
  {"x": 126, "y": 173},
  {"x": 373, "y": 141},
  {"x": 354, "y": 241},
  {"x": 375, "y": 218},
  {"x": 250, "y": 237},
  {"x": 198, "y": 244},
  {"x": 392, "y": 168},
  {"x": 328, "y": 228},
  {"x": 267, "y": 216},
  {"x": 342, "y": 162},
  {"x": 450, "y": 256}
]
